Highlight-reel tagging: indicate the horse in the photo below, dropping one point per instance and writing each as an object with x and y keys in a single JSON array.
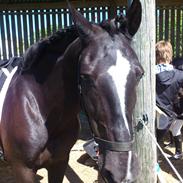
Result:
[{"x": 90, "y": 66}]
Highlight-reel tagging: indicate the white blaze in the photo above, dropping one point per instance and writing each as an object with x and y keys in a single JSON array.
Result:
[
  {"x": 119, "y": 74},
  {"x": 128, "y": 174},
  {"x": 5, "y": 87}
]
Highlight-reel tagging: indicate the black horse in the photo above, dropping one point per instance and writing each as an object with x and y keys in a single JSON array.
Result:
[{"x": 39, "y": 122}]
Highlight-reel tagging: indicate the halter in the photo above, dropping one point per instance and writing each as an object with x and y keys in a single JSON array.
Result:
[
  {"x": 114, "y": 146},
  {"x": 104, "y": 144}
]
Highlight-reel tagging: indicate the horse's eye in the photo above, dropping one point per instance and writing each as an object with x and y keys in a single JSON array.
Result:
[
  {"x": 139, "y": 73},
  {"x": 139, "y": 77}
]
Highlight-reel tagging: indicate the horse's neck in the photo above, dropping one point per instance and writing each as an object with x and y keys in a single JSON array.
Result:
[{"x": 63, "y": 80}]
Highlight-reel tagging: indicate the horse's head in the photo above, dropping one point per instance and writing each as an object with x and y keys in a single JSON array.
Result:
[{"x": 109, "y": 74}]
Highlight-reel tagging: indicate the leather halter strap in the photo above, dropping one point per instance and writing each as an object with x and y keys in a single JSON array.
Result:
[{"x": 114, "y": 146}]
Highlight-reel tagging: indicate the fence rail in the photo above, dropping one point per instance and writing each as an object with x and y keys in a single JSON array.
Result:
[{"x": 21, "y": 28}]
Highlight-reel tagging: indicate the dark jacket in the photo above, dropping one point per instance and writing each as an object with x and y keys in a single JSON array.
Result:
[
  {"x": 178, "y": 63},
  {"x": 178, "y": 105},
  {"x": 168, "y": 84}
]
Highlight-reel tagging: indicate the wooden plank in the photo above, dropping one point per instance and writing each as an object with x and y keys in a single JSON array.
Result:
[
  {"x": 8, "y": 35},
  {"x": 65, "y": 18},
  {"x": 104, "y": 13},
  {"x": 3, "y": 39},
  {"x": 161, "y": 24},
  {"x": 59, "y": 19},
  {"x": 70, "y": 19},
  {"x": 98, "y": 15},
  {"x": 25, "y": 33},
  {"x": 43, "y": 28},
  {"x": 166, "y": 24},
  {"x": 20, "y": 40},
  {"x": 54, "y": 20},
  {"x": 36, "y": 13},
  {"x": 169, "y": 2},
  {"x": 93, "y": 14},
  {"x": 173, "y": 28},
  {"x": 178, "y": 26},
  {"x": 48, "y": 24},
  {"x": 157, "y": 24},
  {"x": 14, "y": 37},
  {"x": 87, "y": 11},
  {"x": 31, "y": 27}
]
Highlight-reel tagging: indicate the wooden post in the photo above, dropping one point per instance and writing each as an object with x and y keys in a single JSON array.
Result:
[{"x": 144, "y": 44}]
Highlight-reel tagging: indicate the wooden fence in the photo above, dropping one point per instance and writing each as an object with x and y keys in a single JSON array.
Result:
[
  {"x": 21, "y": 28},
  {"x": 169, "y": 26}
]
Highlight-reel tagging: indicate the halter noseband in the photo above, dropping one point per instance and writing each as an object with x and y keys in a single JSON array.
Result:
[
  {"x": 105, "y": 144},
  {"x": 114, "y": 146}
]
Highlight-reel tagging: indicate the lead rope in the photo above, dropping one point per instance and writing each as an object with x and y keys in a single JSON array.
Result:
[{"x": 161, "y": 150}]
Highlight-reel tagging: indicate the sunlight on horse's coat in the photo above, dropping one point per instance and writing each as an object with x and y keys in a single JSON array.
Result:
[{"x": 5, "y": 86}]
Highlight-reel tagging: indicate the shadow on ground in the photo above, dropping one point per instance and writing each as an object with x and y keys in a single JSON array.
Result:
[{"x": 178, "y": 164}]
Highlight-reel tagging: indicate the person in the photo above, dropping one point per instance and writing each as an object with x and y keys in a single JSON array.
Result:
[{"x": 169, "y": 81}]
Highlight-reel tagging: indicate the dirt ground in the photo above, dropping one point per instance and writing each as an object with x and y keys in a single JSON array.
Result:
[
  {"x": 78, "y": 170},
  {"x": 82, "y": 170},
  {"x": 167, "y": 173}
]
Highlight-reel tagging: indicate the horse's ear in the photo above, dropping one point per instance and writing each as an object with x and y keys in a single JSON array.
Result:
[
  {"x": 134, "y": 16},
  {"x": 84, "y": 27},
  {"x": 131, "y": 23}
]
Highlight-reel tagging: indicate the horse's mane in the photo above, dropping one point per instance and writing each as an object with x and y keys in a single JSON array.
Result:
[
  {"x": 56, "y": 43},
  {"x": 40, "y": 58}
]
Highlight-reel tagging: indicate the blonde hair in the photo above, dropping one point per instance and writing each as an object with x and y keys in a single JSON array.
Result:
[{"x": 164, "y": 52}]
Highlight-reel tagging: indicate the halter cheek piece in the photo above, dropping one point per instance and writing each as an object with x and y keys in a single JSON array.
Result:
[{"x": 103, "y": 144}]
